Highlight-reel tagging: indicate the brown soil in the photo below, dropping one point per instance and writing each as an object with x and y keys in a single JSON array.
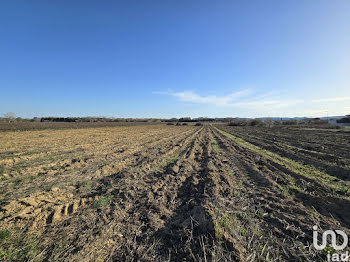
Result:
[{"x": 169, "y": 193}]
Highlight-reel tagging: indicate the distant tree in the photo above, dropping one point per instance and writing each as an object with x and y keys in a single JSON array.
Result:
[
  {"x": 185, "y": 119},
  {"x": 344, "y": 120},
  {"x": 256, "y": 122},
  {"x": 10, "y": 115}
]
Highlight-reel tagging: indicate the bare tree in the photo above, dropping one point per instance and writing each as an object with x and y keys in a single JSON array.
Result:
[{"x": 10, "y": 116}]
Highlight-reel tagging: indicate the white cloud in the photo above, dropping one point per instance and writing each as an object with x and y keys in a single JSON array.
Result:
[
  {"x": 240, "y": 99},
  {"x": 248, "y": 103},
  {"x": 331, "y": 99},
  {"x": 189, "y": 96},
  {"x": 270, "y": 104}
]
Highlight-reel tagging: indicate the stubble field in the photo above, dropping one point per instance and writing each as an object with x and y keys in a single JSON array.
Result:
[{"x": 171, "y": 193}]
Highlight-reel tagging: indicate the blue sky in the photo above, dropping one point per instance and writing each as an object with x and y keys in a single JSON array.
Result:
[{"x": 175, "y": 58}]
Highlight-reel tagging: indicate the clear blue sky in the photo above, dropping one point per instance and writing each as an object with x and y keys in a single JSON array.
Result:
[{"x": 175, "y": 58}]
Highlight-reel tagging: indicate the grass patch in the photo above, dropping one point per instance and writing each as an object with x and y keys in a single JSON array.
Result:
[
  {"x": 296, "y": 167},
  {"x": 14, "y": 154},
  {"x": 215, "y": 145},
  {"x": 23, "y": 179},
  {"x": 2, "y": 170},
  {"x": 173, "y": 160},
  {"x": 18, "y": 167},
  {"x": 35, "y": 162},
  {"x": 286, "y": 192},
  {"x": 165, "y": 162},
  {"x": 345, "y": 190},
  {"x": 85, "y": 186},
  {"x": 226, "y": 223},
  {"x": 103, "y": 201},
  {"x": 18, "y": 247},
  {"x": 230, "y": 223},
  {"x": 4, "y": 234},
  {"x": 29, "y": 153},
  {"x": 46, "y": 159},
  {"x": 58, "y": 248},
  {"x": 48, "y": 187}
]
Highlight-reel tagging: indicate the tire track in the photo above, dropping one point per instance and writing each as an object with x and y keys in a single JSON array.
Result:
[
  {"x": 43, "y": 208},
  {"x": 131, "y": 190}
]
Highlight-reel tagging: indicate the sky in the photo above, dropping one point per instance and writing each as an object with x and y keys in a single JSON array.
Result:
[{"x": 172, "y": 58}]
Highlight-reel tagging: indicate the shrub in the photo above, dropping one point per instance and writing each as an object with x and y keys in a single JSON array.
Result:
[
  {"x": 344, "y": 120},
  {"x": 290, "y": 122},
  {"x": 256, "y": 122},
  {"x": 198, "y": 124},
  {"x": 237, "y": 123}
]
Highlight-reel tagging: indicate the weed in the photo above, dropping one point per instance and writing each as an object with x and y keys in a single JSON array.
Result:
[
  {"x": 2, "y": 170},
  {"x": 18, "y": 247},
  {"x": 84, "y": 186},
  {"x": 48, "y": 187},
  {"x": 215, "y": 146},
  {"x": 4, "y": 234},
  {"x": 167, "y": 162},
  {"x": 59, "y": 248},
  {"x": 237, "y": 193},
  {"x": 345, "y": 190},
  {"x": 286, "y": 192},
  {"x": 103, "y": 201},
  {"x": 300, "y": 244},
  {"x": 329, "y": 250},
  {"x": 218, "y": 232},
  {"x": 17, "y": 181},
  {"x": 239, "y": 184},
  {"x": 214, "y": 143},
  {"x": 47, "y": 159},
  {"x": 30, "y": 153},
  {"x": 225, "y": 221},
  {"x": 294, "y": 187},
  {"x": 173, "y": 160},
  {"x": 260, "y": 213},
  {"x": 22, "y": 179}
]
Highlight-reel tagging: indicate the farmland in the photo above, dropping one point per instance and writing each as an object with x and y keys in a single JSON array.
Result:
[{"x": 159, "y": 193}]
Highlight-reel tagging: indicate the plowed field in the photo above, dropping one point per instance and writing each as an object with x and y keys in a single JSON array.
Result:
[{"x": 171, "y": 193}]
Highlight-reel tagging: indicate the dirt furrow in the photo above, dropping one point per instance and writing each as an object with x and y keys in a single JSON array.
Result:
[
  {"x": 133, "y": 195},
  {"x": 309, "y": 188},
  {"x": 42, "y": 205},
  {"x": 41, "y": 200},
  {"x": 189, "y": 231},
  {"x": 283, "y": 220},
  {"x": 329, "y": 163},
  {"x": 332, "y": 143},
  {"x": 175, "y": 193}
]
